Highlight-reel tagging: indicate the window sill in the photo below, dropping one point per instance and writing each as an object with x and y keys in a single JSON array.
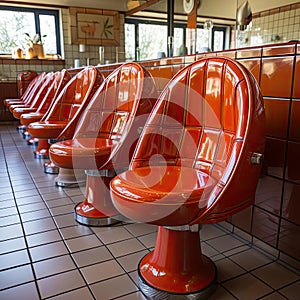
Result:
[{"x": 48, "y": 60}]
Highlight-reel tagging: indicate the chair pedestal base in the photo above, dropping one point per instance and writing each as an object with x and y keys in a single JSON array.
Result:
[
  {"x": 176, "y": 268},
  {"x": 50, "y": 168},
  {"x": 98, "y": 218},
  {"x": 32, "y": 141},
  {"x": 42, "y": 152},
  {"x": 21, "y": 128},
  {"x": 97, "y": 208},
  {"x": 26, "y": 135},
  {"x": 70, "y": 178}
]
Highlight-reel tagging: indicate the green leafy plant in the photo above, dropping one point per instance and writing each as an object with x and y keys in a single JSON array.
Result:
[
  {"x": 37, "y": 39},
  {"x": 106, "y": 28}
]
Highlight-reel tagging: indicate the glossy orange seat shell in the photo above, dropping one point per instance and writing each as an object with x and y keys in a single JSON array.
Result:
[
  {"x": 38, "y": 98},
  {"x": 210, "y": 118},
  {"x": 68, "y": 105},
  {"x": 87, "y": 153},
  {"x": 169, "y": 194},
  {"x": 125, "y": 98},
  {"x": 59, "y": 82},
  {"x": 33, "y": 78}
]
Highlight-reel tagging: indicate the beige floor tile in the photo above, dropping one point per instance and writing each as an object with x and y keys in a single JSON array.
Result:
[
  {"x": 110, "y": 235},
  {"x": 138, "y": 229},
  {"x": 75, "y": 231},
  {"x": 48, "y": 251},
  {"x": 101, "y": 271},
  {"x": 227, "y": 269},
  {"x": 221, "y": 294},
  {"x": 274, "y": 296},
  {"x": 38, "y": 226},
  {"x": 113, "y": 288},
  {"x": 53, "y": 266},
  {"x": 25, "y": 292},
  {"x": 250, "y": 259},
  {"x": 10, "y": 232},
  {"x": 275, "y": 275},
  {"x": 14, "y": 259},
  {"x": 15, "y": 276},
  {"x": 61, "y": 283},
  {"x": 292, "y": 292},
  {"x": 125, "y": 247},
  {"x": 8, "y": 246},
  {"x": 92, "y": 256},
  {"x": 130, "y": 262},
  {"x": 148, "y": 240},
  {"x": 43, "y": 238},
  {"x": 247, "y": 287},
  {"x": 225, "y": 243},
  {"x": 133, "y": 296},
  {"x": 210, "y": 231},
  {"x": 83, "y": 243},
  {"x": 79, "y": 294}
]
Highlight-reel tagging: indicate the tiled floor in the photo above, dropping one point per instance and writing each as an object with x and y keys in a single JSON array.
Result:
[{"x": 45, "y": 254}]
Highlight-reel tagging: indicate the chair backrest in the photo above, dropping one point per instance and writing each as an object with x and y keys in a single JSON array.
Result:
[
  {"x": 76, "y": 93},
  {"x": 59, "y": 81},
  {"x": 33, "y": 87},
  {"x": 23, "y": 81},
  {"x": 118, "y": 108},
  {"x": 210, "y": 117},
  {"x": 42, "y": 91}
]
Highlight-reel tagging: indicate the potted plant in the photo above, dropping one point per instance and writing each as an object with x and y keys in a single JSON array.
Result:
[{"x": 35, "y": 46}]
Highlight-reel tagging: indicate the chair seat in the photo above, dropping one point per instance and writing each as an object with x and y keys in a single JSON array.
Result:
[
  {"x": 168, "y": 195},
  {"x": 47, "y": 129},
  {"x": 23, "y": 110},
  {"x": 82, "y": 153},
  {"x": 28, "y": 118}
]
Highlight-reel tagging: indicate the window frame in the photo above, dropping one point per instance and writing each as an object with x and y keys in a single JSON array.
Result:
[{"x": 37, "y": 12}]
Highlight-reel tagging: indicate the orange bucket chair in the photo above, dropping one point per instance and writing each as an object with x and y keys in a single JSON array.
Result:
[
  {"x": 105, "y": 138},
  {"x": 36, "y": 99},
  {"x": 32, "y": 77},
  {"x": 28, "y": 98},
  {"x": 23, "y": 81},
  {"x": 75, "y": 95},
  {"x": 60, "y": 80},
  {"x": 197, "y": 161}
]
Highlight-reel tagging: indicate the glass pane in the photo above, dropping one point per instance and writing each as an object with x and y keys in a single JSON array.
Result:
[
  {"x": 47, "y": 26},
  {"x": 202, "y": 41},
  {"x": 218, "y": 40},
  {"x": 178, "y": 40},
  {"x": 129, "y": 42},
  {"x": 152, "y": 40},
  {"x": 13, "y": 26}
]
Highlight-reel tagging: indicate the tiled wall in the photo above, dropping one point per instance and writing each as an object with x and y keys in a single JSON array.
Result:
[
  {"x": 274, "y": 220},
  {"x": 10, "y": 68},
  {"x": 277, "y": 25}
]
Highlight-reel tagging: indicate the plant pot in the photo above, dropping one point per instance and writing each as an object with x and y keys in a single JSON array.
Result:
[{"x": 35, "y": 51}]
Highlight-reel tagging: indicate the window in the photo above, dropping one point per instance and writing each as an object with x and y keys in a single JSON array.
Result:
[
  {"x": 145, "y": 39},
  {"x": 152, "y": 40},
  {"x": 219, "y": 38},
  {"x": 16, "y": 21},
  {"x": 130, "y": 42}
]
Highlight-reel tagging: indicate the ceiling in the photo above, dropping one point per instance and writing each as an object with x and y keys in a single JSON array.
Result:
[{"x": 207, "y": 8}]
